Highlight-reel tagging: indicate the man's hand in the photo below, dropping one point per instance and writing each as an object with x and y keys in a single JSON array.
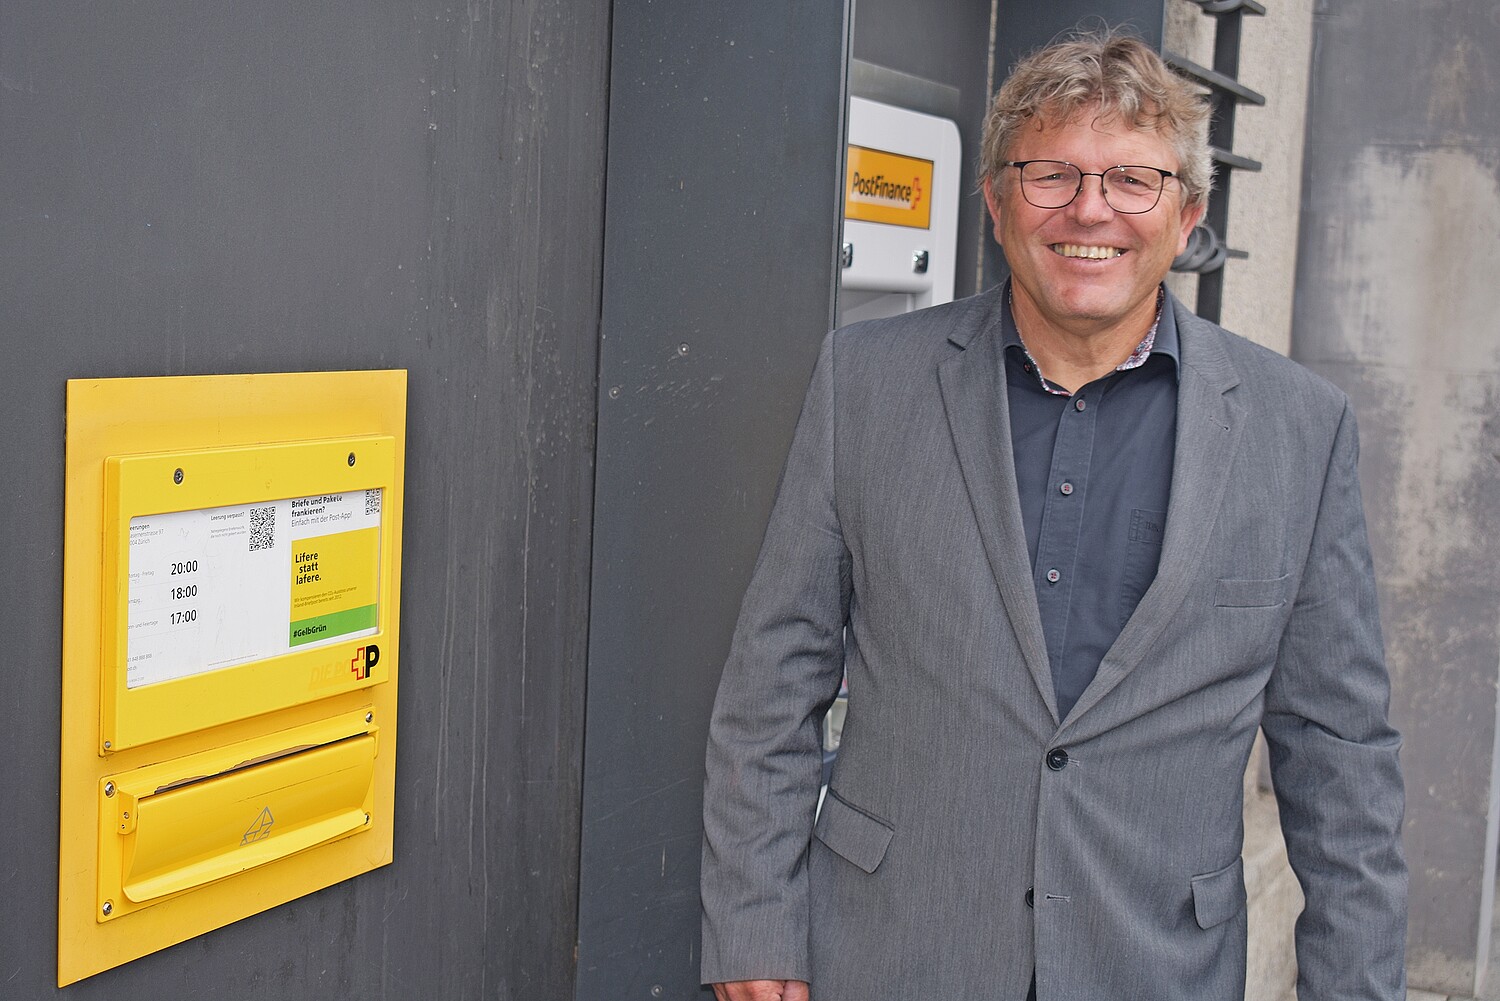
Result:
[{"x": 761, "y": 990}]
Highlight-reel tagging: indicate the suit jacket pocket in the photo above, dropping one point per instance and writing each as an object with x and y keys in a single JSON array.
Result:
[
  {"x": 851, "y": 833},
  {"x": 1252, "y": 593},
  {"x": 1219, "y": 896}
]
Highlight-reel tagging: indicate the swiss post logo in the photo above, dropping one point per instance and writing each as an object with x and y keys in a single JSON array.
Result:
[{"x": 365, "y": 658}]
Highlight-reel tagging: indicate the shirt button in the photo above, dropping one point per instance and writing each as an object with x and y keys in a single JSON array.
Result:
[
  {"x": 1065, "y": 489},
  {"x": 1078, "y": 404},
  {"x": 1057, "y": 759},
  {"x": 1030, "y": 896},
  {"x": 1053, "y": 576}
]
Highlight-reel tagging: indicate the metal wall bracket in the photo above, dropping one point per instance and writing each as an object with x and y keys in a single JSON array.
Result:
[{"x": 1207, "y": 251}]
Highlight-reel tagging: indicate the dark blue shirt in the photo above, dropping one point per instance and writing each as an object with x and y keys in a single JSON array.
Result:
[{"x": 1094, "y": 471}]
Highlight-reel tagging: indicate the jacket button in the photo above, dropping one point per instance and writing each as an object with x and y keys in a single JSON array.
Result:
[
  {"x": 1030, "y": 896},
  {"x": 1057, "y": 759}
]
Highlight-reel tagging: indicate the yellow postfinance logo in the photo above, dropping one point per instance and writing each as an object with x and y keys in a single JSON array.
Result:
[{"x": 888, "y": 187}]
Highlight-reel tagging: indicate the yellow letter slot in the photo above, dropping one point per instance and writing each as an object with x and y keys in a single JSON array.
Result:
[{"x": 180, "y": 825}]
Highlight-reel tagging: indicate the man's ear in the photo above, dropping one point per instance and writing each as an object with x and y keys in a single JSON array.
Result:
[
  {"x": 992, "y": 202},
  {"x": 1191, "y": 216}
]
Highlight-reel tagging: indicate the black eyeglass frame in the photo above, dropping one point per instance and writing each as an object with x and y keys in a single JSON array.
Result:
[{"x": 1020, "y": 165}]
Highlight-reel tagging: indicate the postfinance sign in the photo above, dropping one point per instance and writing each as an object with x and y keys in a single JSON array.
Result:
[{"x": 888, "y": 188}]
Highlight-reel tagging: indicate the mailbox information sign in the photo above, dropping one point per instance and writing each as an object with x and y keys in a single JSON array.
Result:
[{"x": 216, "y": 587}]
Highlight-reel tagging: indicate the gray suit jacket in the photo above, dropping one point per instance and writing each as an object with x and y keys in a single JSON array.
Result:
[{"x": 950, "y": 858}]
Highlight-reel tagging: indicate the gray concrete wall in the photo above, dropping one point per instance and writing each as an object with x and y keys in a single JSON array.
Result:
[{"x": 1397, "y": 303}]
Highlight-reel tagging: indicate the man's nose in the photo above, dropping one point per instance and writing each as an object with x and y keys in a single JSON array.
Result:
[{"x": 1090, "y": 205}]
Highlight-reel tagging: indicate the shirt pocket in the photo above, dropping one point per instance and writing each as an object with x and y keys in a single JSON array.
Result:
[
  {"x": 1142, "y": 556},
  {"x": 1267, "y": 593},
  {"x": 851, "y": 833}
]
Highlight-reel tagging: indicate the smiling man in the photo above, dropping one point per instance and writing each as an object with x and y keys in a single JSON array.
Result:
[{"x": 1072, "y": 545}]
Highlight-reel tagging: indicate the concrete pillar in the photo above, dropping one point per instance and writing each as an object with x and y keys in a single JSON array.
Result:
[{"x": 1396, "y": 301}]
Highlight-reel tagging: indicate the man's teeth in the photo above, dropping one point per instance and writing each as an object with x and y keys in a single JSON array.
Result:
[{"x": 1092, "y": 253}]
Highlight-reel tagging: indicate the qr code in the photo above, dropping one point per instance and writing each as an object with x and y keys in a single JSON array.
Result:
[
  {"x": 372, "y": 501},
  {"x": 262, "y": 528}
]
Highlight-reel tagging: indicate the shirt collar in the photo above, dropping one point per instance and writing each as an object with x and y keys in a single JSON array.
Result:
[{"x": 1161, "y": 339}]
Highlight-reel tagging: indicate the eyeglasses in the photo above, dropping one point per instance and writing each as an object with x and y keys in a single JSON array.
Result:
[{"x": 1129, "y": 189}]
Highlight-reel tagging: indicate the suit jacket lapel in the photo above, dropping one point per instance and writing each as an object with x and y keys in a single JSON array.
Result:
[
  {"x": 1209, "y": 426},
  {"x": 973, "y": 389}
]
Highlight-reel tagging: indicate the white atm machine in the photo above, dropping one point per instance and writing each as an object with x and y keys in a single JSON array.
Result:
[{"x": 900, "y": 211}]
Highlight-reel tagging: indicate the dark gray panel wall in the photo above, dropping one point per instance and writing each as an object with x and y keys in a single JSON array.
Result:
[
  {"x": 1396, "y": 302},
  {"x": 197, "y": 188},
  {"x": 725, "y": 137},
  {"x": 948, "y": 42},
  {"x": 1024, "y": 26}
]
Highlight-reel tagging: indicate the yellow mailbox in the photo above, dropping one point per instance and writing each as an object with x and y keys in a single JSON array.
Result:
[{"x": 230, "y": 623}]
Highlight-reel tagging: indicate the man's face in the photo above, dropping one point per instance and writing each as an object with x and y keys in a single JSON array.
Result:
[{"x": 1045, "y": 247}]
